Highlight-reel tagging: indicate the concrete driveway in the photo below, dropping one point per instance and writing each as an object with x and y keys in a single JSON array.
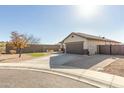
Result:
[
  {"x": 71, "y": 61},
  {"x": 77, "y": 61}
]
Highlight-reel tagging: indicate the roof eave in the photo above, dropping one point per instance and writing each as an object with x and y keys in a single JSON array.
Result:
[{"x": 88, "y": 38}]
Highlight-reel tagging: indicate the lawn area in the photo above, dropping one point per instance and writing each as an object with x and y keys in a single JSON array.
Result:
[{"x": 38, "y": 54}]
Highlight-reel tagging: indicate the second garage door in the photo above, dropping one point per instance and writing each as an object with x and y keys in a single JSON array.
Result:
[{"x": 75, "y": 48}]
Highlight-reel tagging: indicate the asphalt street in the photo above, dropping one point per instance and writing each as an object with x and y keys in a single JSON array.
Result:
[{"x": 14, "y": 78}]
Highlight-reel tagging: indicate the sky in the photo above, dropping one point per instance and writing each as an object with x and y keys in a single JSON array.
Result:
[{"x": 53, "y": 23}]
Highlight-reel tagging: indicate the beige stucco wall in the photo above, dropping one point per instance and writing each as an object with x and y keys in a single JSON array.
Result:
[
  {"x": 92, "y": 45},
  {"x": 76, "y": 38}
]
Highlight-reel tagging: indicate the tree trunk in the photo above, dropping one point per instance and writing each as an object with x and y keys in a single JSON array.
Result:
[{"x": 20, "y": 52}]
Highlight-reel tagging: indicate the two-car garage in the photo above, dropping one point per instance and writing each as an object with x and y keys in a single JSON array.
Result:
[{"x": 75, "y": 48}]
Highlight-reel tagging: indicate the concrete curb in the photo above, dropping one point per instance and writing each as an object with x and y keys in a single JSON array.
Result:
[{"x": 96, "y": 79}]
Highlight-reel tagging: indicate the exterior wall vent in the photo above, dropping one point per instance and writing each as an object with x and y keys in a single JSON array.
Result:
[{"x": 72, "y": 36}]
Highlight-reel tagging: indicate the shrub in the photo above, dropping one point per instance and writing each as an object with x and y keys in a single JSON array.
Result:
[{"x": 12, "y": 51}]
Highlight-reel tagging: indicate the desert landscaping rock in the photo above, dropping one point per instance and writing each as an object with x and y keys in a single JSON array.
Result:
[{"x": 116, "y": 68}]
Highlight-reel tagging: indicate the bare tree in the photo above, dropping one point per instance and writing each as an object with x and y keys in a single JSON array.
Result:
[
  {"x": 31, "y": 39},
  {"x": 20, "y": 41}
]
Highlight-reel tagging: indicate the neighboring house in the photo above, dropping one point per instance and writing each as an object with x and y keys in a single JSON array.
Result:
[{"x": 80, "y": 43}]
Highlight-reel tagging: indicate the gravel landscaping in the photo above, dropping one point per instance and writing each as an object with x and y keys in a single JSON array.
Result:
[
  {"x": 116, "y": 68},
  {"x": 8, "y": 58},
  {"x": 11, "y": 58}
]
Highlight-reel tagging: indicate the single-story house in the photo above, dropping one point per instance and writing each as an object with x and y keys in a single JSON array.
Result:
[{"x": 81, "y": 43}]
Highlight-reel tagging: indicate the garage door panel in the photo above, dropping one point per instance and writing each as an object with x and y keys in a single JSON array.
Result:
[{"x": 75, "y": 48}]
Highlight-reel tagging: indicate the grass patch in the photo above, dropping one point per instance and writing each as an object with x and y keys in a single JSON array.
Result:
[{"x": 38, "y": 54}]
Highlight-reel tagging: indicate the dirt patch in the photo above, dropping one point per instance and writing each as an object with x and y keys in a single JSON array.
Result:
[
  {"x": 8, "y": 58},
  {"x": 116, "y": 68}
]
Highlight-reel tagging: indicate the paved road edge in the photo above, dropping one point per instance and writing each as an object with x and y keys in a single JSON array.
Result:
[{"x": 97, "y": 79}]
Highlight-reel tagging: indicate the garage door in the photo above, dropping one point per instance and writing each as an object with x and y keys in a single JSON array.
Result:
[{"x": 75, "y": 48}]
